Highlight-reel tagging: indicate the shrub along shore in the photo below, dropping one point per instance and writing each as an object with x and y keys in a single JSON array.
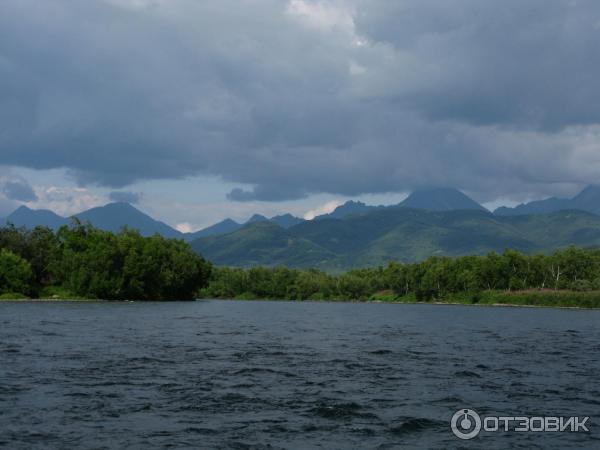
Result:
[
  {"x": 82, "y": 262},
  {"x": 567, "y": 278}
]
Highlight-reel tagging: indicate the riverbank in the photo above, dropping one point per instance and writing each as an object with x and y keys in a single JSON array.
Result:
[
  {"x": 50, "y": 300},
  {"x": 50, "y": 293},
  {"x": 528, "y": 299},
  {"x": 538, "y": 298}
]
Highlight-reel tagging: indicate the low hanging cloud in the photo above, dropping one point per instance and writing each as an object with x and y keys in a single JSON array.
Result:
[
  {"x": 19, "y": 190},
  {"x": 326, "y": 208},
  {"x": 125, "y": 197},
  {"x": 66, "y": 200},
  {"x": 267, "y": 192},
  {"x": 302, "y": 97}
]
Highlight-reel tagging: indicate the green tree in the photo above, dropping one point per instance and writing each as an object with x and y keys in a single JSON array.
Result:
[{"x": 15, "y": 273}]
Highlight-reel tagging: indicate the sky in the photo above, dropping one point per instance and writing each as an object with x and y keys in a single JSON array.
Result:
[{"x": 197, "y": 111}]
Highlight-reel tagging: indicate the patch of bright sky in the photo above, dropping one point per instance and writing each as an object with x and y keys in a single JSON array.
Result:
[{"x": 491, "y": 206}]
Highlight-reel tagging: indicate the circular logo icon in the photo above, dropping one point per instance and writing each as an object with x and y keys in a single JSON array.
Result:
[{"x": 465, "y": 424}]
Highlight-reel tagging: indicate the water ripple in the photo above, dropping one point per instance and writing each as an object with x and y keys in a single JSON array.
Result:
[{"x": 271, "y": 375}]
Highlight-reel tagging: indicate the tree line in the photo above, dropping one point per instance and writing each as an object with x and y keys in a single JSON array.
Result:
[
  {"x": 85, "y": 262},
  {"x": 437, "y": 277}
]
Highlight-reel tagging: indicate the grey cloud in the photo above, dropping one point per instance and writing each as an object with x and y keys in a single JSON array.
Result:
[
  {"x": 527, "y": 64},
  {"x": 268, "y": 193},
  {"x": 493, "y": 98},
  {"x": 126, "y": 197},
  {"x": 19, "y": 190}
]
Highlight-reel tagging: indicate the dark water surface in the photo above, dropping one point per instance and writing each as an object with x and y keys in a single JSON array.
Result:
[{"x": 221, "y": 374}]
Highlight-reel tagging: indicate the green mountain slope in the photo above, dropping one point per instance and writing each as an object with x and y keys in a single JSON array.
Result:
[
  {"x": 559, "y": 229},
  {"x": 223, "y": 227},
  {"x": 399, "y": 234},
  {"x": 262, "y": 243}
]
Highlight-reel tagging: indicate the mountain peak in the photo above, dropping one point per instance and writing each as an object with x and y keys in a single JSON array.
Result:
[
  {"x": 26, "y": 217},
  {"x": 286, "y": 220},
  {"x": 225, "y": 226},
  {"x": 22, "y": 208},
  {"x": 257, "y": 218},
  {"x": 350, "y": 208},
  {"x": 120, "y": 205},
  {"x": 352, "y": 203},
  {"x": 114, "y": 216},
  {"x": 590, "y": 193},
  {"x": 440, "y": 199}
]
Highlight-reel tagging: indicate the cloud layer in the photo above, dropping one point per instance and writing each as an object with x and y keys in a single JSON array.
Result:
[
  {"x": 125, "y": 196},
  {"x": 301, "y": 97},
  {"x": 19, "y": 191}
]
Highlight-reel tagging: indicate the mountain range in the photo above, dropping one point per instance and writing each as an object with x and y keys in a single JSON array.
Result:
[
  {"x": 587, "y": 200},
  {"x": 400, "y": 234},
  {"x": 429, "y": 222},
  {"x": 431, "y": 199},
  {"x": 115, "y": 216},
  {"x": 110, "y": 217}
]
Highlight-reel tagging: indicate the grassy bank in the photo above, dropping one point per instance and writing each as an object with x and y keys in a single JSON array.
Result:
[
  {"x": 528, "y": 298},
  {"x": 546, "y": 298}
]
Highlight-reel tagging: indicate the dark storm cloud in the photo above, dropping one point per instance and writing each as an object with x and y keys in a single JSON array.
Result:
[
  {"x": 19, "y": 190},
  {"x": 520, "y": 63},
  {"x": 301, "y": 97},
  {"x": 126, "y": 197}
]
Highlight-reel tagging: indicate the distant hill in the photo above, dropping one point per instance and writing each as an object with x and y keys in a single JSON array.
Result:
[
  {"x": 350, "y": 208},
  {"x": 587, "y": 200},
  {"x": 223, "y": 227},
  {"x": 431, "y": 199},
  {"x": 400, "y": 234},
  {"x": 262, "y": 244},
  {"x": 257, "y": 218},
  {"x": 228, "y": 225},
  {"x": 286, "y": 220},
  {"x": 114, "y": 216},
  {"x": 536, "y": 207},
  {"x": 111, "y": 217},
  {"x": 30, "y": 218},
  {"x": 440, "y": 199}
]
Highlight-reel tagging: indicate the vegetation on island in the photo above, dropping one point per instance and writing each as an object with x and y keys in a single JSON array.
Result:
[{"x": 81, "y": 261}]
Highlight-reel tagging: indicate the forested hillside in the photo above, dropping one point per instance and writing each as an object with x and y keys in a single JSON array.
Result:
[{"x": 397, "y": 234}]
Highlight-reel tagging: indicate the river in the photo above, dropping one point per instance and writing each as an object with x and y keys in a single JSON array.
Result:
[{"x": 298, "y": 375}]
